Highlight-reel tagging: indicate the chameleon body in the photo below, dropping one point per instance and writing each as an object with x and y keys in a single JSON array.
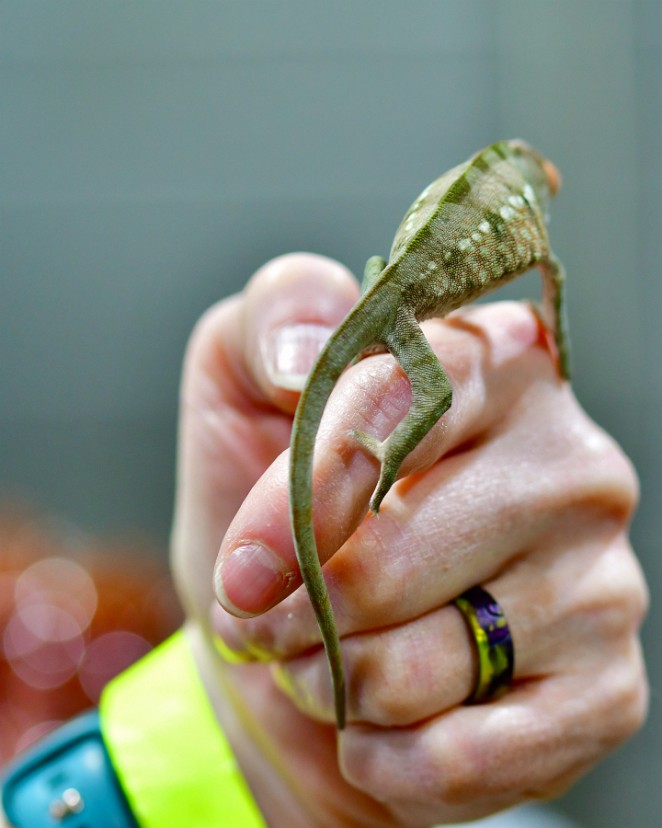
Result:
[{"x": 477, "y": 226}]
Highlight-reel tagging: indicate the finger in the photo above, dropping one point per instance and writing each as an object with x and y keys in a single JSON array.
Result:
[
  {"x": 533, "y": 743},
  {"x": 459, "y": 524},
  {"x": 291, "y": 307},
  {"x": 569, "y": 606},
  {"x": 492, "y": 357},
  {"x": 235, "y": 417}
]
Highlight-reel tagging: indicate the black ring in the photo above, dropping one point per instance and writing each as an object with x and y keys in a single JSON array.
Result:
[{"x": 496, "y": 655}]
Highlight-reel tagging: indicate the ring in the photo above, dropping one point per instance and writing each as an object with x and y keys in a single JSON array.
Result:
[{"x": 489, "y": 629}]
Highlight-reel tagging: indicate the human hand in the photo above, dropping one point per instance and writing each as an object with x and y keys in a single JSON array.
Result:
[{"x": 514, "y": 489}]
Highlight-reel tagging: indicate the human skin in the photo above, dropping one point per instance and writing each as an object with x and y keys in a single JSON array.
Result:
[{"x": 514, "y": 489}]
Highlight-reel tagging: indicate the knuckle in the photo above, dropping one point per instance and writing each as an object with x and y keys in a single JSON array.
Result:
[
  {"x": 610, "y": 480},
  {"x": 517, "y": 328},
  {"x": 477, "y": 770},
  {"x": 457, "y": 346},
  {"x": 390, "y": 766},
  {"x": 623, "y": 475},
  {"x": 382, "y": 702},
  {"x": 399, "y": 676},
  {"x": 381, "y": 542},
  {"x": 510, "y": 327},
  {"x": 462, "y": 782},
  {"x": 635, "y": 710},
  {"x": 361, "y": 762},
  {"x": 620, "y": 603},
  {"x": 635, "y": 598},
  {"x": 627, "y": 699},
  {"x": 638, "y": 707},
  {"x": 374, "y": 673},
  {"x": 630, "y": 484}
]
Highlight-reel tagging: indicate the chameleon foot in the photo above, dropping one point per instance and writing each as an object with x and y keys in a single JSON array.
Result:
[
  {"x": 371, "y": 444},
  {"x": 389, "y": 466}
]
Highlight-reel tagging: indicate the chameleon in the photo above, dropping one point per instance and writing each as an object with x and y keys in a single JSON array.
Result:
[{"x": 476, "y": 227}]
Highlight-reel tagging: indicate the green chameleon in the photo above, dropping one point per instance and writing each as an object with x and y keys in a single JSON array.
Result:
[{"x": 478, "y": 226}]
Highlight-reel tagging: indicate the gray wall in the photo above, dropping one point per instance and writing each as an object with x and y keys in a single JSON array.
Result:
[{"x": 153, "y": 154}]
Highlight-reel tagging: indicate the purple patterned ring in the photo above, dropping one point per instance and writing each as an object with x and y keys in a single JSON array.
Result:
[{"x": 489, "y": 629}]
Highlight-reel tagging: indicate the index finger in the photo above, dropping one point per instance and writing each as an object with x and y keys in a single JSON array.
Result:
[
  {"x": 241, "y": 369},
  {"x": 256, "y": 567}
]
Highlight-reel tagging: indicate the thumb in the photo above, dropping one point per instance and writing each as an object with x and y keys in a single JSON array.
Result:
[
  {"x": 244, "y": 361},
  {"x": 292, "y": 305}
]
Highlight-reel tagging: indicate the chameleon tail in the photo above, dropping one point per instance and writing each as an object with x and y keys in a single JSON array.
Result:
[{"x": 351, "y": 337}]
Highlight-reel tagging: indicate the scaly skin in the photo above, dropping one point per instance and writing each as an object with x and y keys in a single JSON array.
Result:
[{"x": 478, "y": 226}]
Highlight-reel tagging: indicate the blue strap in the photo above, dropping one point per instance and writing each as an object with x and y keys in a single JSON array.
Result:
[{"x": 66, "y": 779}]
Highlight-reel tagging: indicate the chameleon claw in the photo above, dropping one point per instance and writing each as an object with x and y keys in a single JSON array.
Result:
[
  {"x": 388, "y": 473},
  {"x": 371, "y": 444},
  {"x": 387, "y": 478}
]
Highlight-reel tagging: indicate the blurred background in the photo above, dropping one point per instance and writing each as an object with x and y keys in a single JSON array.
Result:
[{"x": 154, "y": 154}]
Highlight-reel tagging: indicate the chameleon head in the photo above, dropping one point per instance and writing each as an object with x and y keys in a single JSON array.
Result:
[{"x": 542, "y": 174}]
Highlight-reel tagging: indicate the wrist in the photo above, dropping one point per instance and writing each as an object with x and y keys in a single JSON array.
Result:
[
  {"x": 241, "y": 697},
  {"x": 154, "y": 755}
]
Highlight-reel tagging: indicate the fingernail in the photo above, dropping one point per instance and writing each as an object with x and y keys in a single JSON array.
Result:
[
  {"x": 251, "y": 580},
  {"x": 289, "y": 353}
]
